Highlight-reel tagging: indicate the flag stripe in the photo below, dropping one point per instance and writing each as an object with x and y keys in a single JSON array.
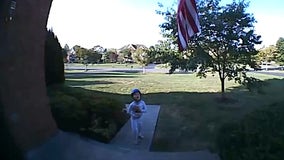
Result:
[
  {"x": 192, "y": 15},
  {"x": 182, "y": 26},
  {"x": 182, "y": 35},
  {"x": 188, "y": 9},
  {"x": 187, "y": 21}
]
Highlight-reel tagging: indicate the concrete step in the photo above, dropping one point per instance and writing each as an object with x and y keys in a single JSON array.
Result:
[{"x": 71, "y": 146}]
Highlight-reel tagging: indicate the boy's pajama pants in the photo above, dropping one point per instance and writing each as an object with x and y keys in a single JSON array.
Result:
[{"x": 136, "y": 126}]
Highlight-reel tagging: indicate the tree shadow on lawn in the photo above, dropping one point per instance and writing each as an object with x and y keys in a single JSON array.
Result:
[
  {"x": 84, "y": 79},
  {"x": 76, "y": 83}
]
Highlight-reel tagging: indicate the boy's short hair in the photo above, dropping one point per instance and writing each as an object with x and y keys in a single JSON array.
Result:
[{"x": 135, "y": 91}]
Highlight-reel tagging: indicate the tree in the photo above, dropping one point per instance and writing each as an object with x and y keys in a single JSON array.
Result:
[
  {"x": 141, "y": 57},
  {"x": 110, "y": 56},
  {"x": 225, "y": 45},
  {"x": 280, "y": 50},
  {"x": 166, "y": 50},
  {"x": 125, "y": 55},
  {"x": 87, "y": 56},
  {"x": 99, "y": 49},
  {"x": 93, "y": 56},
  {"x": 80, "y": 53},
  {"x": 267, "y": 54},
  {"x": 54, "y": 65},
  {"x": 164, "y": 53}
]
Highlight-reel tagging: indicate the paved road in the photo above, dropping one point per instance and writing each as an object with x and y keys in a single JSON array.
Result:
[
  {"x": 149, "y": 68},
  {"x": 274, "y": 73},
  {"x": 90, "y": 68},
  {"x": 95, "y": 69}
]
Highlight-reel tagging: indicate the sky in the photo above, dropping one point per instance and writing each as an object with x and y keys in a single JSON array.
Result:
[{"x": 115, "y": 23}]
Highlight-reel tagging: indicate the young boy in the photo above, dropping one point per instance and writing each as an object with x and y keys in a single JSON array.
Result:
[{"x": 136, "y": 109}]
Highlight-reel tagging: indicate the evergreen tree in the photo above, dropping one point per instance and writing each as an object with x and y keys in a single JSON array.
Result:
[{"x": 53, "y": 57}]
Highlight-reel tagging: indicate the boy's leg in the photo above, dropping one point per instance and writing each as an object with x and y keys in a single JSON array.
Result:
[
  {"x": 134, "y": 127},
  {"x": 140, "y": 129}
]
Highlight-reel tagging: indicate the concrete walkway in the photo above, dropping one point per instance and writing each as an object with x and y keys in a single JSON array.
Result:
[
  {"x": 124, "y": 137},
  {"x": 69, "y": 146}
]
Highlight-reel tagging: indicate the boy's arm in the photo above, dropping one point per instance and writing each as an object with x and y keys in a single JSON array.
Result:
[
  {"x": 129, "y": 110},
  {"x": 144, "y": 107}
]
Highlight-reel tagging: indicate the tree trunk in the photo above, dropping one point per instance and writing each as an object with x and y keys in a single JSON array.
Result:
[
  {"x": 22, "y": 85},
  {"x": 223, "y": 87},
  {"x": 222, "y": 80}
]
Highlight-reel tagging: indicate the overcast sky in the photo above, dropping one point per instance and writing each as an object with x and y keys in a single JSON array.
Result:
[{"x": 115, "y": 23}]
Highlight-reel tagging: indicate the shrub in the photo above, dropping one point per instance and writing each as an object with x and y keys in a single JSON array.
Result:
[
  {"x": 68, "y": 112},
  {"x": 259, "y": 136},
  {"x": 84, "y": 112}
]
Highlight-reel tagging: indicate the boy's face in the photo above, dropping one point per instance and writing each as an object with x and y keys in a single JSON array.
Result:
[{"x": 136, "y": 96}]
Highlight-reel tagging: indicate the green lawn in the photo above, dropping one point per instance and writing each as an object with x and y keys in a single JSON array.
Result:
[{"x": 191, "y": 112}]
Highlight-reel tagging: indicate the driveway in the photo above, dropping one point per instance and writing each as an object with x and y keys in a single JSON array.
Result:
[{"x": 274, "y": 73}]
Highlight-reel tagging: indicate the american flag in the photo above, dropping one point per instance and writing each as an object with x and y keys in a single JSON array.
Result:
[{"x": 187, "y": 21}]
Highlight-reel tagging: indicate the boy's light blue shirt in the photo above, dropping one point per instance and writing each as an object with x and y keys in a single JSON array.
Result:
[{"x": 142, "y": 106}]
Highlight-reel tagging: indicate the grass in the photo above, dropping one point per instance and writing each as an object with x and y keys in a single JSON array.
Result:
[
  {"x": 122, "y": 83},
  {"x": 190, "y": 114}
]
